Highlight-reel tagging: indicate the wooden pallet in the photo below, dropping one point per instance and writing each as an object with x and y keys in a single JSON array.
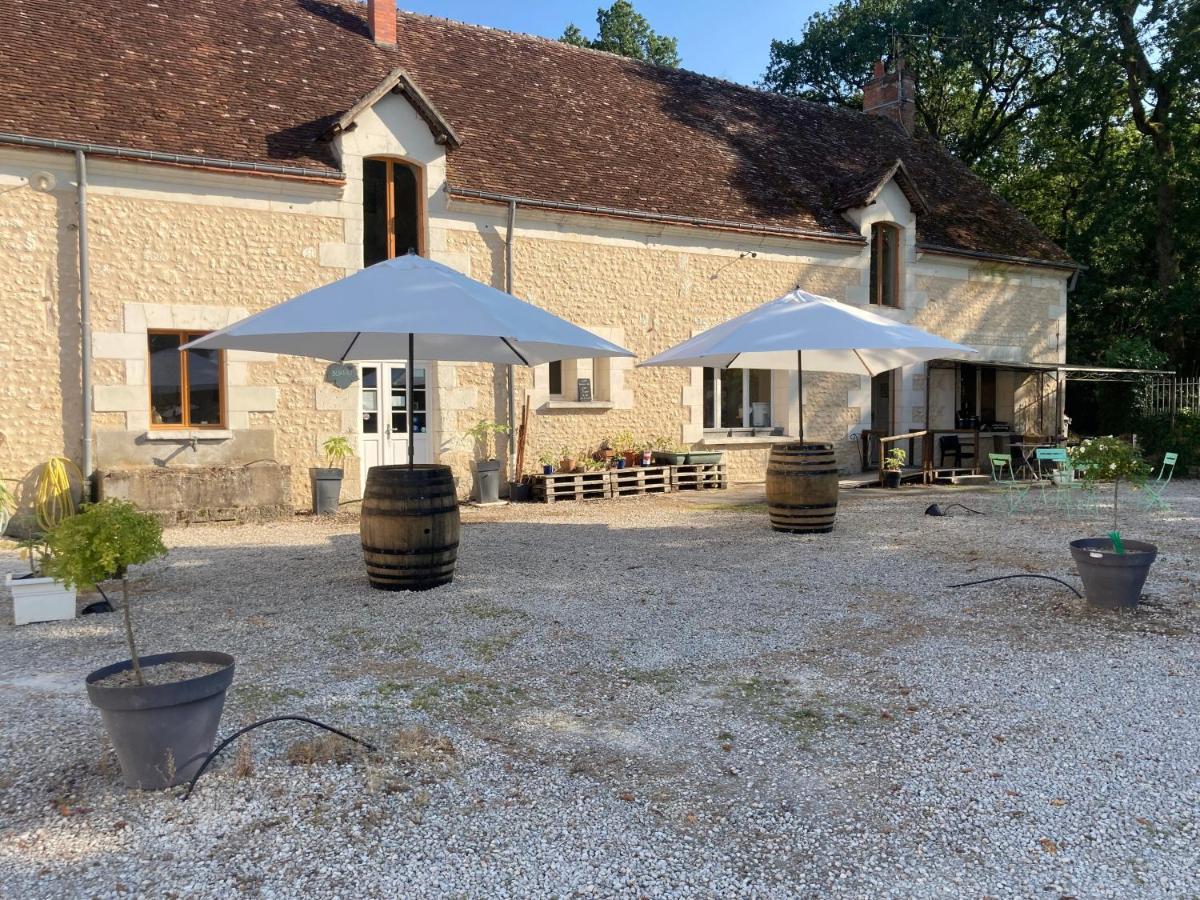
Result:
[
  {"x": 640, "y": 480},
  {"x": 706, "y": 477},
  {"x": 572, "y": 486}
]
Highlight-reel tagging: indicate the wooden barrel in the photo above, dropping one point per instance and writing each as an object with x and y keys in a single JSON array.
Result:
[
  {"x": 802, "y": 487},
  {"x": 409, "y": 527}
]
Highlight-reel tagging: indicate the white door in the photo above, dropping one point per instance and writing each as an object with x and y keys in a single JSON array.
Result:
[{"x": 385, "y": 391}]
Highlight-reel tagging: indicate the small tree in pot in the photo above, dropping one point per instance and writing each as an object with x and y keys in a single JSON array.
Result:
[
  {"x": 893, "y": 467},
  {"x": 161, "y": 712},
  {"x": 1113, "y": 569},
  {"x": 327, "y": 480}
]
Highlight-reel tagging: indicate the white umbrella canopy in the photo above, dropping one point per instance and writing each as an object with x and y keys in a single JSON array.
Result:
[
  {"x": 808, "y": 330},
  {"x": 834, "y": 337},
  {"x": 410, "y": 306},
  {"x": 373, "y": 313}
]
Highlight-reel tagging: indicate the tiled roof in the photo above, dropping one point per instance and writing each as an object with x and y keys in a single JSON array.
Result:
[{"x": 263, "y": 81}]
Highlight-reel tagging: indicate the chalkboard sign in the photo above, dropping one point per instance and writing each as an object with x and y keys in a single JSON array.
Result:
[
  {"x": 585, "y": 390},
  {"x": 341, "y": 375}
]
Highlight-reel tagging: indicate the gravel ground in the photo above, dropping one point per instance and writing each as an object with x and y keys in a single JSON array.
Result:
[{"x": 649, "y": 697}]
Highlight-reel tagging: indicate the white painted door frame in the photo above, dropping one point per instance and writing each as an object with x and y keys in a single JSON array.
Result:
[{"x": 384, "y": 390}]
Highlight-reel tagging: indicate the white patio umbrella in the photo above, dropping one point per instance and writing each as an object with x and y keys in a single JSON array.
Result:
[
  {"x": 414, "y": 305},
  {"x": 813, "y": 331}
]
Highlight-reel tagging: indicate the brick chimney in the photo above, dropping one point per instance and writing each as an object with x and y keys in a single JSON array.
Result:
[
  {"x": 381, "y": 17},
  {"x": 891, "y": 95}
]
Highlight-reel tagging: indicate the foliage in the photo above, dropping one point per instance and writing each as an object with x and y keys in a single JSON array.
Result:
[
  {"x": 566, "y": 453},
  {"x": 33, "y": 550},
  {"x": 623, "y": 442},
  {"x": 1110, "y": 459},
  {"x": 622, "y": 30},
  {"x": 337, "y": 451},
  {"x": 895, "y": 459},
  {"x": 101, "y": 543},
  {"x": 548, "y": 458},
  {"x": 1085, "y": 114},
  {"x": 483, "y": 432},
  {"x": 1157, "y": 435},
  {"x": 8, "y": 502}
]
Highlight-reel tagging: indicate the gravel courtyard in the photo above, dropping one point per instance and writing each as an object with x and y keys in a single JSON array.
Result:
[{"x": 648, "y": 697}]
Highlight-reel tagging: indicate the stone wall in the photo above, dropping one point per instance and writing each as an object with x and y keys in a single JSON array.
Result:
[{"x": 180, "y": 495}]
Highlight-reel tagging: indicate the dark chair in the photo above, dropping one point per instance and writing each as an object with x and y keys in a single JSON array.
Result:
[{"x": 951, "y": 444}]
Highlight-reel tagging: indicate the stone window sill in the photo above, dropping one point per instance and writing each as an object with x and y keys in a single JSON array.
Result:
[
  {"x": 578, "y": 404},
  {"x": 718, "y": 440},
  {"x": 175, "y": 435}
]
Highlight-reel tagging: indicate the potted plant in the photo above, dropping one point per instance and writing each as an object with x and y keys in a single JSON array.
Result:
[
  {"x": 566, "y": 460},
  {"x": 606, "y": 452},
  {"x": 327, "y": 480},
  {"x": 487, "y": 467},
  {"x": 666, "y": 453},
  {"x": 624, "y": 446},
  {"x": 36, "y": 596},
  {"x": 547, "y": 460},
  {"x": 1113, "y": 569},
  {"x": 161, "y": 712},
  {"x": 893, "y": 466}
]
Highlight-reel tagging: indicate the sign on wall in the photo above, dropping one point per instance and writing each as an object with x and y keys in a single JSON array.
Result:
[
  {"x": 585, "y": 390},
  {"x": 341, "y": 375}
]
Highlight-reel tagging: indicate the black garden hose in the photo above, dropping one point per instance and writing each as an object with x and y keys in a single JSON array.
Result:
[
  {"x": 1004, "y": 577},
  {"x": 934, "y": 509},
  {"x": 237, "y": 734}
]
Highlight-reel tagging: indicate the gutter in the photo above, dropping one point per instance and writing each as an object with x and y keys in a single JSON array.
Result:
[
  {"x": 665, "y": 218},
  {"x": 514, "y": 475},
  {"x": 85, "y": 322},
  {"x": 175, "y": 159},
  {"x": 943, "y": 250}
]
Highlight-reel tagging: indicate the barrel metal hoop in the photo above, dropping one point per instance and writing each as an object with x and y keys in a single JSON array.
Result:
[
  {"x": 407, "y": 513},
  {"x": 397, "y": 551},
  {"x": 771, "y": 506}
]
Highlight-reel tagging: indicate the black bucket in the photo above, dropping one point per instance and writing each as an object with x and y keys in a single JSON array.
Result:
[
  {"x": 1112, "y": 580},
  {"x": 163, "y": 732}
]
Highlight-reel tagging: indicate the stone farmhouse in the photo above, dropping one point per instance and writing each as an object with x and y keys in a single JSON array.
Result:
[{"x": 168, "y": 168}]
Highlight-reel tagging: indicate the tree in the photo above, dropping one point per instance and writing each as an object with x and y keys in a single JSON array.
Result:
[
  {"x": 1085, "y": 114},
  {"x": 622, "y": 30}
]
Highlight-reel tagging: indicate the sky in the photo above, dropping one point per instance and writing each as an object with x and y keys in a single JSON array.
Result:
[{"x": 730, "y": 41}]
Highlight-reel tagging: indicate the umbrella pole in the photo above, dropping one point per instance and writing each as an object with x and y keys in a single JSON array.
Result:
[
  {"x": 409, "y": 402},
  {"x": 800, "y": 389}
]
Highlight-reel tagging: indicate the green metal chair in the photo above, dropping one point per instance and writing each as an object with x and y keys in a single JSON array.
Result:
[
  {"x": 1051, "y": 460},
  {"x": 1005, "y": 477},
  {"x": 1151, "y": 495}
]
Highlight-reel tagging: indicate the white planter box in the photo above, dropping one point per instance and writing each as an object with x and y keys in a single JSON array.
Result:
[{"x": 40, "y": 600}]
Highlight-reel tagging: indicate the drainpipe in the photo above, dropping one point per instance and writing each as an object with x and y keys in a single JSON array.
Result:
[
  {"x": 512, "y": 388},
  {"x": 85, "y": 322}
]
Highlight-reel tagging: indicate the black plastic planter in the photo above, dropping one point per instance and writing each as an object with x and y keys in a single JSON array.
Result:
[
  {"x": 163, "y": 732},
  {"x": 1112, "y": 580},
  {"x": 891, "y": 479},
  {"x": 326, "y": 490}
]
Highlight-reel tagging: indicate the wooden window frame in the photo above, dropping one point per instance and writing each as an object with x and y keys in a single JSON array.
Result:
[
  {"x": 184, "y": 390},
  {"x": 390, "y": 201},
  {"x": 878, "y": 230}
]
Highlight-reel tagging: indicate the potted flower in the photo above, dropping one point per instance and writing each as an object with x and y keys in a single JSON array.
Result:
[
  {"x": 566, "y": 460},
  {"x": 36, "y": 596},
  {"x": 893, "y": 466},
  {"x": 327, "y": 480},
  {"x": 487, "y": 467},
  {"x": 161, "y": 712},
  {"x": 624, "y": 447},
  {"x": 547, "y": 460},
  {"x": 1113, "y": 569}
]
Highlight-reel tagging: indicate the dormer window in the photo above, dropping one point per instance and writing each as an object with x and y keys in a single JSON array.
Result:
[
  {"x": 392, "y": 210},
  {"x": 885, "y": 264}
]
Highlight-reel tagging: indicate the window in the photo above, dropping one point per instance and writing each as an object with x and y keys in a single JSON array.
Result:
[
  {"x": 737, "y": 398},
  {"x": 391, "y": 210},
  {"x": 395, "y": 406},
  {"x": 185, "y": 388},
  {"x": 885, "y": 264},
  {"x": 556, "y": 378}
]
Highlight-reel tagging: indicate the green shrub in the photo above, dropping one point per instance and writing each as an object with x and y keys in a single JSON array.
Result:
[
  {"x": 100, "y": 544},
  {"x": 337, "y": 451},
  {"x": 1157, "y": 435}
]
